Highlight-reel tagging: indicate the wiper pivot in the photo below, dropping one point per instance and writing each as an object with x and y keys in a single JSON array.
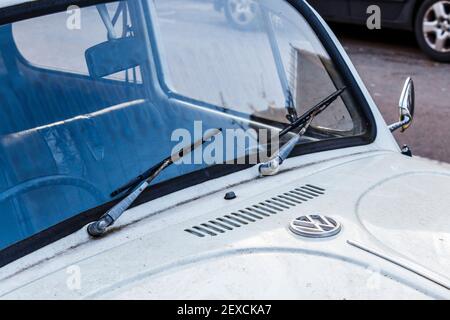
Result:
[{"x": 303, "y": 123}]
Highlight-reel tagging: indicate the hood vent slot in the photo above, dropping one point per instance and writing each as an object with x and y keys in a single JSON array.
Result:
[{"x": 257, "y": 212}]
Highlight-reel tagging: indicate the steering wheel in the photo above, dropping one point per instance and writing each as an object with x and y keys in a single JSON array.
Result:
[{"x": 38, "y": 183}]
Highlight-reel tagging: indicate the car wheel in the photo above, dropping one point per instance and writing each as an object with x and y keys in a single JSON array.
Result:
[
  {"x": 242, "y": 14},
  {"x": 432, "y": 28}
]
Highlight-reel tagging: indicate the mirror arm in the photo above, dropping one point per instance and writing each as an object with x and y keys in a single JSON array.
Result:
[{"x": 406, "y": 121}]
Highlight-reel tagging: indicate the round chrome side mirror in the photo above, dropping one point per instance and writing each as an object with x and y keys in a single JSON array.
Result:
[{"x": 406, "y": 107}]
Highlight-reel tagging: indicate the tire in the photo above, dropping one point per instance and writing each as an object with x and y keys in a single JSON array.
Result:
[
  {"x": 242, "y": 14},
  {"x": 432, "y": 29}
]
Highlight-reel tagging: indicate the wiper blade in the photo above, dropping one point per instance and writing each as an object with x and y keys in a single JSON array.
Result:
[
  {"x": 139, "y": 179},
  {"x": 308, "y": 116},
  {"x": 272, "y": 166},
  {"x": 139, "y": 184}
]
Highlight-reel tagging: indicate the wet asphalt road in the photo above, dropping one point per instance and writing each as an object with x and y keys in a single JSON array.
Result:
[{"x": 384, "y": 60}]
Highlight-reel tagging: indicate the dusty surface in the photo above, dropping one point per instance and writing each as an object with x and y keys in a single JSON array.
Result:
[{"x": 384, "y": 59}]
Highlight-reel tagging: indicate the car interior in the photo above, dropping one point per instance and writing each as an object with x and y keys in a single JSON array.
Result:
[{"x": 68, "y": 138}]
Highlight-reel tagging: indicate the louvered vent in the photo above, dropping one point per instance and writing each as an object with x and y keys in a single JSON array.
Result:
[{"x": 256, "y": 212}]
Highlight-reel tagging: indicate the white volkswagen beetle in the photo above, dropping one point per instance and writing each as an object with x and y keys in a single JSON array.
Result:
[{"x": 94, "y": 93}]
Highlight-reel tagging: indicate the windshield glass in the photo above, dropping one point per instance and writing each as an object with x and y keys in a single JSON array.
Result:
[
  {"x": 91, "y": 97},
  {"x": 236, "y": 57}
]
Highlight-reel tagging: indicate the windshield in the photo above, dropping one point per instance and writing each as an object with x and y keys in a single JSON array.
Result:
[{"x": 92, "y": 97}]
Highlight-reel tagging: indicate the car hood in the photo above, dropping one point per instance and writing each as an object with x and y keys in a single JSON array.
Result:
[{"x": 394, "y": 242}]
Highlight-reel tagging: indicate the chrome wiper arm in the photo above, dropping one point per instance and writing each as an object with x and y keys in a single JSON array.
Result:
[
  {"x": 303, "y": 123},
  {"x": 272, "y": 166},
  {"x": 138, "y": 185}
]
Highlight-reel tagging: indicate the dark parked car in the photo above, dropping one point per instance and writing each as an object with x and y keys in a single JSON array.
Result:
[{"x": 428, "y": 19}]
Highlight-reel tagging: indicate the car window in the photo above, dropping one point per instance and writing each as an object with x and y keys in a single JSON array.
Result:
[
  {"x": 66, "y": 120},
  {"x": 208, "y": 60},
  {"x": 59, "y": 43},
  {"x": 226, "y": 58}
]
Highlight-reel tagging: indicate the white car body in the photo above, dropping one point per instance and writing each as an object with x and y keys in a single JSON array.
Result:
[{"x": 394, "y": 242}]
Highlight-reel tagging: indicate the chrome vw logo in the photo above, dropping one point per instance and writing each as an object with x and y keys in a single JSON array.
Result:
[{"x": 315, "y": 226}]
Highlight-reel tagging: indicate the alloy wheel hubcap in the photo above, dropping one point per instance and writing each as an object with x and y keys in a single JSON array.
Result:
[
  {"x": 242, "y": 11},
  {"x": 436, "y": 26}
]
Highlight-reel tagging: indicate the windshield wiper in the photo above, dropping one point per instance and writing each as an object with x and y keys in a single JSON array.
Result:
[
  {"x": 139, "y": 184},
  {"x": 303, "y": 123}
]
